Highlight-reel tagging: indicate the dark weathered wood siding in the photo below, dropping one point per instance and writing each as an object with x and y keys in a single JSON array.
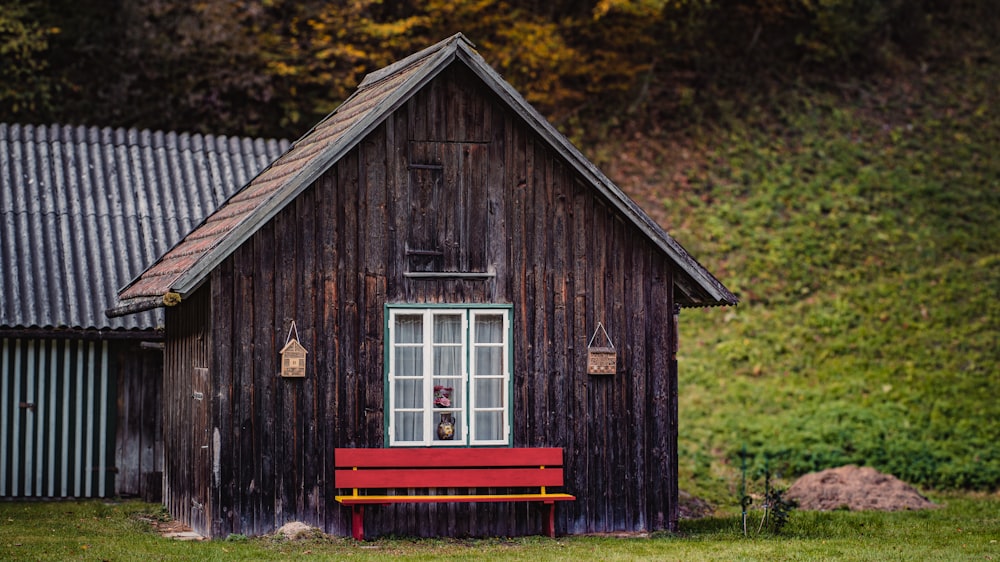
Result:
[{"x": 449, "y": 182}]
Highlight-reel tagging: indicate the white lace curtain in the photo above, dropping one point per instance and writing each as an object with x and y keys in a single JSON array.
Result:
[{"x": 488, "y": 332}]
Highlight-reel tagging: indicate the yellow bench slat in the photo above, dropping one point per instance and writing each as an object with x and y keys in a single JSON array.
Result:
[{"x": 453, "y": 498}]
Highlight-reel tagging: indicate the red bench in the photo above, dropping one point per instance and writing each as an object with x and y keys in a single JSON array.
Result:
[{"x": 441, "y": 469}]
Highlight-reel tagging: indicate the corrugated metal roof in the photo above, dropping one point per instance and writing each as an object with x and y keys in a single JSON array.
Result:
[
  {"x": 186, "y": 266},
  {"x": 85, "y": 209}
]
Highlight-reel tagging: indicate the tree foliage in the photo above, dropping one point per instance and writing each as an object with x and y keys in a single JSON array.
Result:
[
  {"x": 273, "y": 67},
  {"x": 25, "y": 87}
]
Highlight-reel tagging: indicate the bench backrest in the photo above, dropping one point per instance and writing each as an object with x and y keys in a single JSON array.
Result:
[{"x": 447, "y": 468}]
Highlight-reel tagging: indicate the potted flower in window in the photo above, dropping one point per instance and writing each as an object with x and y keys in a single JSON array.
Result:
[
  {"x": 442, "y": 396},
  {"x": 442, "y": 399}
]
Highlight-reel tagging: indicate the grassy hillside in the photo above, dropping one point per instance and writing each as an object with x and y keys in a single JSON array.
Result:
[{"x": 860, "y": 225}]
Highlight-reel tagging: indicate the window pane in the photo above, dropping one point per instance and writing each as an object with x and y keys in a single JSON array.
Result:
[
  {"x": 409, "y": 393},
  {"x": 489, "y": 361},
  {"x": 448, "y": 328},
  {"x": 409, "y": 426},
  {"x": 409, "y": 361},
  {"x": 489, "y": 328},
  {"x": 489, "y": 393},
  {"x": 489, "y": 426},
  {"x": 448, "y": 361},
  {"x": 409, "y": 328}
]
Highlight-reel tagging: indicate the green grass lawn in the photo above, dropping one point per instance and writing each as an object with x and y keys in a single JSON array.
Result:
[{"x": 965, "y": 528}]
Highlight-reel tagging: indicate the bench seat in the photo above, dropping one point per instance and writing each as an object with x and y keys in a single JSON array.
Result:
[{"x": 445, "y": 469}]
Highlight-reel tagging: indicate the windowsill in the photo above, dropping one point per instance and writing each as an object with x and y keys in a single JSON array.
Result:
[{"x": 450, "y": 274}]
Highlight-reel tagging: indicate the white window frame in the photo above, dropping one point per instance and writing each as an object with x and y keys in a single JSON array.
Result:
[{"x": 467, "y": 410}]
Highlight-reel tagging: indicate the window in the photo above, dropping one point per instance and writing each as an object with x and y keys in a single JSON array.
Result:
[{"x": 448, "y": 364}]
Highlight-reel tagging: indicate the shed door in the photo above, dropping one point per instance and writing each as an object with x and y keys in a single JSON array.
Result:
[
  {"x": 200, "y": 446},
  {"x": 448, "y": 207}
]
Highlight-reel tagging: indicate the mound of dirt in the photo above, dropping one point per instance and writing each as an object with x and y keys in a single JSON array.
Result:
[
  {"x": 855, "y": 488},
  {"x": 297, "y": 530}
]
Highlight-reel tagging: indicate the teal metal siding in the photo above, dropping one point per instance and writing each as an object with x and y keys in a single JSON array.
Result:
[{"x": 57, "y": 418}]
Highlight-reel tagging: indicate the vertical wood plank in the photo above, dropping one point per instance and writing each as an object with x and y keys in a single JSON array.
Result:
[
  {"x": 617, "y": 466},
  {"x": 308, "y": 480},
  {"x": 534, "y": 271},
  {"x": 350, "y": 398},
  {"x": 636, "y": 381},
  {"x": 477, "y": 202},
  {"x": 396, "y": 141},
  {"x": 455, "y": 116},
  {"x": 561, "y": 384},
  {"x": 437, "y": 111},
  {"x": 328, "y": 372},
  {"x": 265, "y": 362},
  {"x": 577, "y": 443},
  {"x": 128, "y": 437},
  {"x": 598, "y": 411},
  {"x": 223, "y": 485},
  {"x": 518, "y": 184},
  {"x": 200, "y": 466},
  {"x": 247, "y": 460},
  {"x": 285, "y": 414},
  {"x": 449, "y": 209},
  {"x": 374, "y": 169},
  {"x": 542, "y": 192},
  {"x": 669, "y": 342},
  {"x": 151, "y": 432},
  {"x": 499, "y": 190}
]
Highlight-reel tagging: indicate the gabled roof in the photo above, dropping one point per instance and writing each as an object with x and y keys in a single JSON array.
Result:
[
  {"x": 185, "y": 267},
  {"x": 84, "y": 209}
]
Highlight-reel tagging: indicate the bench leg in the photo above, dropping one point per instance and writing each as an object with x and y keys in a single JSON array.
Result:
[
  {"x": 358, "y": 522},
  {"x": 549, "y": 519}
]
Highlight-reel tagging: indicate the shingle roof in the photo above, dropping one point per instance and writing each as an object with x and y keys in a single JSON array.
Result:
[
  {"x": 188, "y": 264},
  {"x": 84, "y": 209}
]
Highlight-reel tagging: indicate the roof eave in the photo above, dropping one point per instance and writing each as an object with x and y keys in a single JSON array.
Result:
[{"x": 133, "y": 306}]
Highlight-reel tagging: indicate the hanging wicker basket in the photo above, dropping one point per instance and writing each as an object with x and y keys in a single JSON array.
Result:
[{"x": 601, "y": 359}]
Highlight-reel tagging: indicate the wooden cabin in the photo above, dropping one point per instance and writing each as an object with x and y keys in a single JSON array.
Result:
[
  {"x": 80, "y": 392},
  {"x": 434, "y": 232}
]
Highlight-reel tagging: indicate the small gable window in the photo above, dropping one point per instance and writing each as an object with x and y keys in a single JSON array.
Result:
[{"x": 448, "y": 381}]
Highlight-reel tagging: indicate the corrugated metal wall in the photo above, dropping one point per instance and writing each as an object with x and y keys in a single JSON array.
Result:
[{"x": 57, "y": 405}]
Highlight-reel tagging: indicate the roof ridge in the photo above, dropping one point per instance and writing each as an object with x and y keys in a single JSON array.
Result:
[
  {"x": 377, "y": 76},
  {"x": 117, "y": 135}
]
